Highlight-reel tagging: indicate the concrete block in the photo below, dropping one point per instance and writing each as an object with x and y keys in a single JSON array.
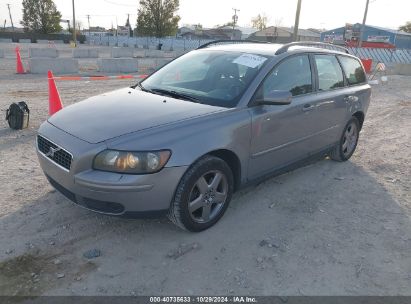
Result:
[
  {"x": 160, "y": 62},
  {"x": 117, "y": 65},
  {"x": 6, "y": 40},
  {"x": 40, "y": 41},
  {"x": 57, "y": 65},
  {"x": 1, "y": 53},
  {"x": 147, "y": 64},
  {"x": 402, "y": 69},
  {"x": 181, "y": 52},
  {"x": 170, "y": 54},
  {"x": 25, "y": 41},
  {"x": 154, "y": 54},
  {"x": 85, "y": 53},
  {"x": 43, "y": 53},
  {"x": 118, "y": 52},
  {"x": 140, "y": 53}
]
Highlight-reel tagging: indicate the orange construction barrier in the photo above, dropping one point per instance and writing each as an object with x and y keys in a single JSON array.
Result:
[
  {"x": 19, "y": 63},
  {"x": 367, "y": 63},
  {"x": 55, "y": 104}
]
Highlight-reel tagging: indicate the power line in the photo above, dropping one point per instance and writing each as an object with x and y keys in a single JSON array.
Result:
[{"x": 119, "y": 4}]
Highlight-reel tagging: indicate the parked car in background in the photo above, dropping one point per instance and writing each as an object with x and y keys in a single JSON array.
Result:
[{"x": 203, "y": 126}]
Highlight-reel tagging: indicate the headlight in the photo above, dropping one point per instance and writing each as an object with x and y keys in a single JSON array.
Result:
[{"x": 131, "y": 162}]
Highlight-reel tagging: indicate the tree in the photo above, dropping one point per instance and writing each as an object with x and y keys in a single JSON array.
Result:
[
  {"x": 406, "y": 27},
  {"x": 158, "y": 18},
  {"x": 41, "y": 16},
  {"x": 260, "y": 22}
]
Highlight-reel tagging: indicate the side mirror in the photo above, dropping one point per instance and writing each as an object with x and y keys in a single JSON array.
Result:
[{"x": 275, "y": 98}]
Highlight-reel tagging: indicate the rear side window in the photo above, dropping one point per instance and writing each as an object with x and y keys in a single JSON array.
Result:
[
  {"x": 353, "y": 70},
  {"x": 293, "y": 74},
  {"x": 330, "y": 75}
]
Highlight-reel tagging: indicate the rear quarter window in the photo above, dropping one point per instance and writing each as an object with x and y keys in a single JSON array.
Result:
[{"x": 353, "y": 70}]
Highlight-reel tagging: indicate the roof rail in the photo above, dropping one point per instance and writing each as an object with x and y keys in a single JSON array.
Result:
[
  {"x": 216, "y": 42},
  {"x": 323, "y": 45}
]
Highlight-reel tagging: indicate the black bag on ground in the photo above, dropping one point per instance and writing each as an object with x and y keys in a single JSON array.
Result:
[{"x": 18, "y": 115}]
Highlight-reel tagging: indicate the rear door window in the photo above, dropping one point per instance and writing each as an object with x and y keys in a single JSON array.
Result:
[
  {"x": 353, "y": 70},
  {"x": 330, "y": 75}
]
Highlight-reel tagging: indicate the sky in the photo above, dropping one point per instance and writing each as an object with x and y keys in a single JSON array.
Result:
[{"x": 323, "y": 14}]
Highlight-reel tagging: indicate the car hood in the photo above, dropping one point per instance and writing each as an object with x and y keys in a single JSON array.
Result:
[{"x": 124, "y": 111}]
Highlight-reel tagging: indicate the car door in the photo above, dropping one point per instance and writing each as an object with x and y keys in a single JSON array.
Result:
[
  {"x": 282, "y": 134},
  {"x": 357, "y": 92},
  {"x": 331, "y": 104}
]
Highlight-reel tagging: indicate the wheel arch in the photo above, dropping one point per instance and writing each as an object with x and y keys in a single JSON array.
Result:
[
  {"x": 360, "y": 116},
  {"x": 233, "y": 161}
]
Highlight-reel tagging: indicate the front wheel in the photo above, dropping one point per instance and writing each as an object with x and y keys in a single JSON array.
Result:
[
  {"x": 202, "y": 195},
  {"x": 348, "y": 141}
]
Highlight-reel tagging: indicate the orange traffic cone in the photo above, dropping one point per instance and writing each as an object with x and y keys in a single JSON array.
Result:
[
  {"x": 55, "y": 104},
  {"x": 19, "y": 63}
]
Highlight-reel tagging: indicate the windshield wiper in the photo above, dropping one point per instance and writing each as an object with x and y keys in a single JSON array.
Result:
[
  {"x": 176, "y": 94},
  {"x": 144, "y": 89}
]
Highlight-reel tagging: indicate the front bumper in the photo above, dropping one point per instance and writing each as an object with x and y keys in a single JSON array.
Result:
[{"x": 106, "y": 192}]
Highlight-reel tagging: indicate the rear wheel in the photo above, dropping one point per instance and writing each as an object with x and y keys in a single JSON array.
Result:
[
  {"x": 348, "y": 141},
  {"x": 202, "y": 195}
]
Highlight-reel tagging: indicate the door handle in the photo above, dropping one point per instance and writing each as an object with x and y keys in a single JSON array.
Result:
[{"x": 308, "y": 108}]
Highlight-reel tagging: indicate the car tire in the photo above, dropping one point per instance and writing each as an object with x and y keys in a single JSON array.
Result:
[
  {"x": 348, "y": 141},
  {"x": 203, "y": 195}
]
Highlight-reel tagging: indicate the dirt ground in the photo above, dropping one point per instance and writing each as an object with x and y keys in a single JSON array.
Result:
[{"x": 325, "y": 229}]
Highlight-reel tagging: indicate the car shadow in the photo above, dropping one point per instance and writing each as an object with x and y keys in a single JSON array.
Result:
[{"x": 325, "y": 229}]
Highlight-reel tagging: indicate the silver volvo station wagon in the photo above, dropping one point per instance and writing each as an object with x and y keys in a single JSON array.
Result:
[{"x": 210, "y": 122}]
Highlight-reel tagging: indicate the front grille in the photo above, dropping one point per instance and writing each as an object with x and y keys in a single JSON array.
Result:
[{"x": 54, "y": 152}]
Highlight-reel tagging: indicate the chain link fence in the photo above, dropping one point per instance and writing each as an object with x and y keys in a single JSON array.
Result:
[
  {"x": 167, "y": 43},
  {"x": 386, "y": 56}
]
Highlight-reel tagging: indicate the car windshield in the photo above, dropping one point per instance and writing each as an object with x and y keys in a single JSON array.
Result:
[{"x": 209, "y": 77}]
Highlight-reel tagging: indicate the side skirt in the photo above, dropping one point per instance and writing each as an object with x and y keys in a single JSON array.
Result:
[{"x": 311, "y": 159}]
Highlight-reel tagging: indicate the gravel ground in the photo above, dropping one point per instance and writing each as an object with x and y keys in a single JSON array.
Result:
[{"x": 325, "y": 229}]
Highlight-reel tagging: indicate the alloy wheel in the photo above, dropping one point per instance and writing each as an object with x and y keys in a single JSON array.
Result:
[
  {"x": 350, "y": 139},
  {"x": 208, "y": 196}
]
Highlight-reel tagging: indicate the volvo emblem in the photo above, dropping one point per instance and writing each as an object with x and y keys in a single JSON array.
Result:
[{"x": 52, "y": 151}]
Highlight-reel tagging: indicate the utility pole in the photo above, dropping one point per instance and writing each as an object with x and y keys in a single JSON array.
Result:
[
  {"x": 235, "y": 19},
  {"x": 11, "y": 19},
  {"x": 129, "y": 25},
  {"x": 88, "y": 19},
  {"x": 116, "y": 31},
  {"x": 4, "y": 26},
  {"x": 297, "y": 21},
  {"x": 74, "y": 26},
  {"x": 363, "y": 24}
]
